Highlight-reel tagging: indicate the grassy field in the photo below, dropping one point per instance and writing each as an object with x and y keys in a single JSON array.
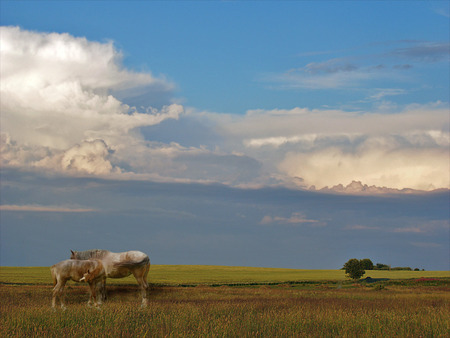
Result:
[
  {"x": 173, "y": 275},
  {"x": 318, "y": 304}
]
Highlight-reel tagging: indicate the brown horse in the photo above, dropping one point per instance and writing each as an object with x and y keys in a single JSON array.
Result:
[
  {"x": 90, "y": 271},
  {"x": 120, "y": 265}
]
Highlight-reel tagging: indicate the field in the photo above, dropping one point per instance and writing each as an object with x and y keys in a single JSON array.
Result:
[
  {"x": 185, "y": 275},
  {"x": 231, "y": 301}
]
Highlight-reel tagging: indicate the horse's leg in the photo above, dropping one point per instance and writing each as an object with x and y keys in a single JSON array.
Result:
[
  {"x": 147, "y": 269},
  {"x": 63, "y": 295},
  {"x": 58, "y": 291},
  {"x": 99, "y": 289},
  {"x": 93, "y": 296},
  {"x": 139, "y": 275},
  {"x": 55, "y": 295},
  {"x": 91, "y": 291},
  {"x": 145, "y": 280},
  {"x": 102, "y": 287}
]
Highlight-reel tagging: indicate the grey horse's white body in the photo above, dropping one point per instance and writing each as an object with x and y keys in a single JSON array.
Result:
[
  {"x": 120, "y": 265},
  {"x": 90, "y": 271}
]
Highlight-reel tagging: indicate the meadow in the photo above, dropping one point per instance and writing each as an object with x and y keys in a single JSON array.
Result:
[
  {"x": 185, "y": 275},
  {"x": 192, "y": 301}
]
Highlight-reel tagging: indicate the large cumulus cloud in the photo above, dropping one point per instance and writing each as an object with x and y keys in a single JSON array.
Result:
[
  {"x": 57, "y": 106},
  {"x": 68, "y": 105}
]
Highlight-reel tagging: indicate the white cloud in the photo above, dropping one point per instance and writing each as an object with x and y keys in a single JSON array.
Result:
[
  {"x": 423, "y": 169},
  {"x": 383, "y": 92},
  {"x": 57, "y": 106},
  {"x": 61, "y": 111},
  {"x": 298, "y": 122},
  {"x": 415, "y": 230},
  {"x": 56, "y": 90},
  {"x": 296, "y": 218},
  {"x": 406, "y": 149},
  {"x": 62, "y": 103},
  {"x": 90, "y": 157},
  {"x": 42, "y": 208},
  {"x": 361, "y": 227},
  {"x": 332, "y": 74}
]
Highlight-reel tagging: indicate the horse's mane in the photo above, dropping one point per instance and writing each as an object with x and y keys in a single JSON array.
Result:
[{"x": 94, "y": 253}]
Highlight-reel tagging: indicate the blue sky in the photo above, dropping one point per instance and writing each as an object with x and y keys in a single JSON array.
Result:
[
  {"x": 231, "y": 57},
  {"x": 201, "y": 132}
]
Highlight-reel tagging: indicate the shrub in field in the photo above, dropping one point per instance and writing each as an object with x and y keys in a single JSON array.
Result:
[
  {"x": 353, "y": 269},
  {"x": 381, "y": 266},
  {"x": 379, "y": 287}
]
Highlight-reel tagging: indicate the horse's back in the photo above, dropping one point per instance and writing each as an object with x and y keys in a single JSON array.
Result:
[
  {"x": 122, "y": 264},
  {"x": 133, "y": 256},
  {"x": 73, "y": 269}
]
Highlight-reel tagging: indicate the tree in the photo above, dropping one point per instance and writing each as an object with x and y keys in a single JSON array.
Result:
[
  {"x": 366, "y": 264},
  {"x": 380, "y": 266},
  {"x": 353, "y": 269}
]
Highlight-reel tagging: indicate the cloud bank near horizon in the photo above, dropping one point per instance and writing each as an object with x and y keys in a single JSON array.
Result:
[
  {"x": 66, "y": 107},
  {"x": 406, "y": 149}
]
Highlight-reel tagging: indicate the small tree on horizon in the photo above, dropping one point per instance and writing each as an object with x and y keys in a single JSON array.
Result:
[
  {"x": 366, "y": 264},
  {"x": 353, "y": 269}
]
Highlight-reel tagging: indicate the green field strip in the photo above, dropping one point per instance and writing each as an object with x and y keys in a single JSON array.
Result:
[{"x": 217, "y": 275}]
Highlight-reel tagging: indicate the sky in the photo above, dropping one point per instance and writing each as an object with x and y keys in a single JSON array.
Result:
[{"x": 274, "y": 134}]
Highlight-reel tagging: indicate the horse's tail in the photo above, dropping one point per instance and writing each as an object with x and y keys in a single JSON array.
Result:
[{"x": 143, "y": 262}]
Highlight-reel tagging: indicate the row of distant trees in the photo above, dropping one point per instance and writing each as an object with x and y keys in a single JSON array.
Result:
[
  {"x": 367, "y": 264},
  {"x": 356, "y": 268}
]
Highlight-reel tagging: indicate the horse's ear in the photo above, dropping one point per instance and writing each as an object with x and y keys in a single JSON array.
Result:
[{"x": 73, "y": 253}]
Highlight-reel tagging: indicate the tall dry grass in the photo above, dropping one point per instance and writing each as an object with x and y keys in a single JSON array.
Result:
[{"x": 400, "y": 311}]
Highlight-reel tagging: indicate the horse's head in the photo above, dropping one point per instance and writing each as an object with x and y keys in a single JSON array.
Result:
[
  {"x": 95, "y": 271},
  {"x": 74, "y": 254},
  {"x": 87, "y": 277}
]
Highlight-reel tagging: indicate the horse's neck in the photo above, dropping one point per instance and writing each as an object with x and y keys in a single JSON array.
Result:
[
  {"x": 109, "y": 257},
  {"x": 100, "y": 254}
]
